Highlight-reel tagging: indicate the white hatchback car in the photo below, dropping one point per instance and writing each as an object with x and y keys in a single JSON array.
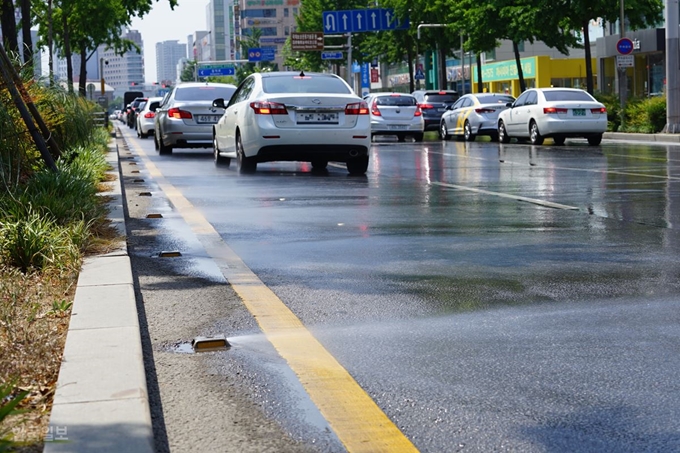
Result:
[
  {"x": 557, "y": 113},
  {"x": 293, "y": 116},
  {"x": 396, "y": 114}
]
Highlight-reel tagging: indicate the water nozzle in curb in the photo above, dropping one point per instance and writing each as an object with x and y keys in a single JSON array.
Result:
[{"x": 215, "y": 343}]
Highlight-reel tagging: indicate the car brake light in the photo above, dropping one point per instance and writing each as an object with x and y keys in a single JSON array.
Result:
[
  {"x": 482, "y": 110},
  {"x": 179, "y": 114},
  {"x": 268, "y": 108},
  {"x": 599, "y": 110},
  {"x": 549, "y": 110},
  {"x": 359, "y": 108},
  {"x": 418, "y": 112},
  {"x": 425, "y": 106},
  {"x": 375, "y": 111},
  {"x": 149, "y": 115}
]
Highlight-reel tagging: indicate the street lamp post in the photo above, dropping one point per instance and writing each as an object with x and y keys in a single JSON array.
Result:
[{"x": 101, "y": 74}]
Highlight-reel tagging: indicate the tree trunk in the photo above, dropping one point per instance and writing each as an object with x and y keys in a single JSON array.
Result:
[
  {"x": 480, "y": 82},
  {"x": 50, "y": 42},
  {"x": 26, "y": 33},
  {"x": 589, "y": 66},
  {"x": 520, "y": 73},
  {"x": 442, "y": 68},
  {"x": 410, "y": 57},
  {"x": 9, "y": 26},
  {"x": 83, "y": 73},
  {"x": 67, "y": 52}
]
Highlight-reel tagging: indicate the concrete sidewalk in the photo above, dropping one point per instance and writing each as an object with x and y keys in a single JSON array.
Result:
[
  {"x": 101, "y": 402},
  {"x": 650, "y": 138}
]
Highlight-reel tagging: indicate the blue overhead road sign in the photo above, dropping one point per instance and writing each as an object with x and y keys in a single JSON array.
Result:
[
  {"x": 361, "y": 20},
  {"x": 331, "y": 55},
  {"x": 215, "y": 71}
]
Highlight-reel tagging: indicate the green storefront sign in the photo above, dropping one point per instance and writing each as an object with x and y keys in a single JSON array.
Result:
[{"x": 507, "y": 70}]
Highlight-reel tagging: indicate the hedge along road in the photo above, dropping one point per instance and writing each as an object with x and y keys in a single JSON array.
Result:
[{"x": 483, "y": 296}]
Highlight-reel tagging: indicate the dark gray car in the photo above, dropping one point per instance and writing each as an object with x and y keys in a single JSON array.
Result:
[{"x": 433, "y": 104}]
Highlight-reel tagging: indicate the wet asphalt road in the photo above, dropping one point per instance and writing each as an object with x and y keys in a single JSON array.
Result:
[{"x": 488, "y": 297}]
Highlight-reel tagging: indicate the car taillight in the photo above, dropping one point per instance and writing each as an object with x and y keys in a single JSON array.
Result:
[
  {"x": 418, "y": 112},
  {"x": 549, "y": 110},
  {"x": 482, "y": 110},
  {"x": 268, "y": 108},
  {"x": 599, "y": 110},
  {"x": 426, "y": 106},
  {"x": 374, "y": 108},
  {"x": 358, "y": 108},
  {"x": 149, "y": 115},
  {"x": 179, "y": 114}
]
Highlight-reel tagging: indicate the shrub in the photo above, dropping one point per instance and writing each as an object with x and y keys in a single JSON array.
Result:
[
  {"x": 646, "y": 115},
  {"x": 611, "y": 102}
]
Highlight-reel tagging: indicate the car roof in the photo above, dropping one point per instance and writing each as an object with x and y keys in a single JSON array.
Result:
[
  {"x": 203, "y": 84},
  {"x": 294, "y": 73}
]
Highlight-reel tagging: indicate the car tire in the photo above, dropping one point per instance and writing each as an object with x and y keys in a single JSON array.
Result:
[
  {"x": 493, "y": 136},
  {"x": 155, "y": 141},
  {"x": 219, "y": 160},
  {"x": 163, "y": 149},
  {"x": 535, "y": 136},
  {"x": 142, "y": 134},
  {"x": 319, "y": 164},
  {"x": 418, "y": 137},
  {"x": 559, "y": 141},
  {"x": 444, "y": 131},
  {"x": 357, "y": 165},
  {"x": 245, "y": 164},
  {"x": 595, "y": 140},
  {"x": 467, "y": 132},
  {"x": 503, "y": 136}
]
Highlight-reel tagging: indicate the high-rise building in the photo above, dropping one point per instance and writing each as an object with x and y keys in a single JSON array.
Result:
[
  {"x": 275, "y": 20},
  {"x": 220, "y": 18},
  {"x": 168, "y": 53},
  {"x": 126, "y": 72}
]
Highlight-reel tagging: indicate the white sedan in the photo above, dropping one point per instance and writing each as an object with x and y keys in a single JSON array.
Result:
[
  {"x": 555, "y": 113},
  {"x": 293, "y": 116}
]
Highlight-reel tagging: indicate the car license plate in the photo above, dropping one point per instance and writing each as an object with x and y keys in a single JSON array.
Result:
[
  {"x": 212, "y": 119},
  {"x": 317, "y": 118},
  {"x": 396, "y": 127},
  {"x": 579, "y": 112}
]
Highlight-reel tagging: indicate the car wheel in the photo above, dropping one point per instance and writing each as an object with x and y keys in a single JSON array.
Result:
[
  {"x": 494, "y": 136},
  {"x": 245, "y": 164},
  {"x": 503, "y": 136},
  {"x": 418, "y": 137},
  {"x": 595, "y": 140},
  {"x": 444, "y": 131},
  {"x": 534, "y": 135},
  {"x": 357, "y": 165},
  {"x": 155, "y": 141},
  {"x": 219, "y": 160},
  {"x": 163, "y": 149},
  {"x": 559, "y": 141},
  {"x": 141, "y": 133},
  {"x": 467, "y": 132},
  {"x": 138, "y": 134}
]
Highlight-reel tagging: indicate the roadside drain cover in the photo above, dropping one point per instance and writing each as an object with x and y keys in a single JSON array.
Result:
[
  {"x": 170, "y": 254},
  {"x": 154, "y": 216},
  {"x": 215, "y": 343}
]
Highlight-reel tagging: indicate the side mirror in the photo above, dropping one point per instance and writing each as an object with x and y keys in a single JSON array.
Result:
[
  {"x": 219, "y": 103},
  {"x": 509, "y": 104}
]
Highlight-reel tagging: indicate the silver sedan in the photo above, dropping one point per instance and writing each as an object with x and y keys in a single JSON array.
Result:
[
  {"x": 396, "y": 114},
  {"x": 186, "y": 116}
]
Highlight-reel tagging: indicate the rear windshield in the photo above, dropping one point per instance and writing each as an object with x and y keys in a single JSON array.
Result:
[
  {"x": 566, "y": 95},
  {"x": 495, "y": 99},
  {"x": 204, "y": 93},
  {"x": 436, "y": 97},
  {"x": 396, "y": 100},
  {"x": 304, "y": 84}
]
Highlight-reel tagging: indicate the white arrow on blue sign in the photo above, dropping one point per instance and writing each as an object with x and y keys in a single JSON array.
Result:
[{"x": 361, "y": 20}]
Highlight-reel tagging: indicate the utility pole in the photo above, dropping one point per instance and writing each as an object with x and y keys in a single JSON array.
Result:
[
  {"x": 672, "y": 69},
  {"x": 623, "y": 79}
]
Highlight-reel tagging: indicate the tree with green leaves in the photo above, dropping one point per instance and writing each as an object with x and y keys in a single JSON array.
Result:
[{"x": 639, "y": 14}]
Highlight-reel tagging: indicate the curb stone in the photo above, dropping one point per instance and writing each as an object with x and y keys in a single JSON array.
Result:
[{"x": 101, "y": 401}]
